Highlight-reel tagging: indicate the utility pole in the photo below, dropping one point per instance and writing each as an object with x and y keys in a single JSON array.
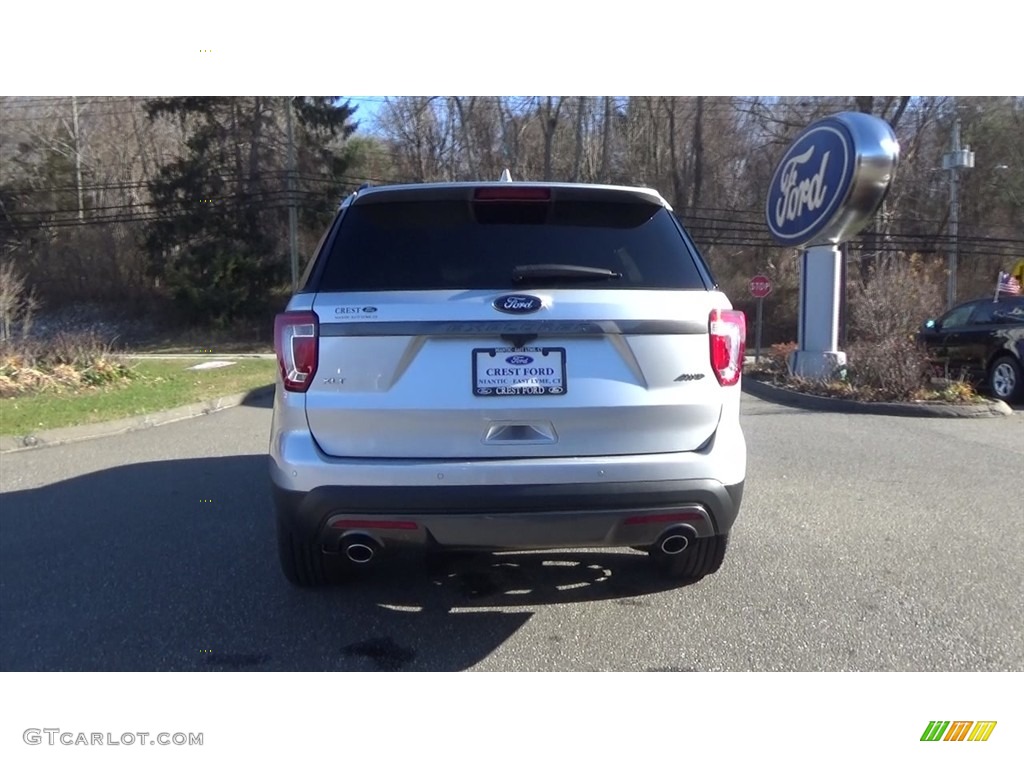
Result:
[
  {"x": 78, "y": 158},
  {"x": 293, "y": 234},
  {"x": 959, "y": 157}
]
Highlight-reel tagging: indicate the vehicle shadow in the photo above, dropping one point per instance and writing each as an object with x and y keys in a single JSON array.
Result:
[
  {"x": 173, "y": 566},
  {"x": 262, "y": 397}
]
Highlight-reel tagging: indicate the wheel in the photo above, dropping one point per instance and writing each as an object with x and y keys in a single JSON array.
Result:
[
  {"x": 700, "y": 559},
  {"x": 1005, "y": 379},
  {"x": 302, "y": 561}
]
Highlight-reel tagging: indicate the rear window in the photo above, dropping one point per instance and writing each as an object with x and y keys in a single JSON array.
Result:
[
  {"x": 1006, "y": 310},
  {"x": 451, "y": 244}
]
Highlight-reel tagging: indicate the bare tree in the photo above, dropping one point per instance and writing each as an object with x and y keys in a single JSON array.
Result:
[
  {"x": 549, "y": 108},
  {"x": 464, "y": 107},
  {"x": 606, "y": 141},
  {"x": 577, "y": 164}
]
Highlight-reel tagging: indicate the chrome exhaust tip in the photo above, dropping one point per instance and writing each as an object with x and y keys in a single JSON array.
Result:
[
  {"x": 673, "y": 545},
  {"x": 358, "y": 548},
  {"x": 675, "y": 540}
]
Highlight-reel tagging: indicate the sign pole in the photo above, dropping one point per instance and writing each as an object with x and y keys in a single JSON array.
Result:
[
  {"x": 760, "y": 286},
  {"x": 757, "y": 346},
  {"x": 818, "y": 354}
]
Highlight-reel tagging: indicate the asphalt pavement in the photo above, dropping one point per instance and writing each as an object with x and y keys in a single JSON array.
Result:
[{"x": 864, "y": 543}]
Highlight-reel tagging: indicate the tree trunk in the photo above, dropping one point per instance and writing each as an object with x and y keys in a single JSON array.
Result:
[
  {"x": 869, "y": 255},
  {"x": 78, "y": 159},
  {"x": 678, "y": 194},
  {"x": 577, "y": 164},
  {"x": 549, "y": 118},
  {"x": 254, "y": 147},
  {"x": 138, "y": 139},
  {"x": 606, "y": 140},
  {"x": 467, "y": 140},
  {"x": 698, "y": 154},
  {"x": 510, "y": 132},
  {"x": 236, "y": 141}
]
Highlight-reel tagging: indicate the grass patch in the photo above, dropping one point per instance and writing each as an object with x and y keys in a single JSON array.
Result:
[{"x": 156, "y": 386}]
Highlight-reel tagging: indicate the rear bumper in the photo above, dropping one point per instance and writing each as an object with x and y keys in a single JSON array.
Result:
[
  {"x": 504, "y": 503},
  {"x": 511, "y": 516}
]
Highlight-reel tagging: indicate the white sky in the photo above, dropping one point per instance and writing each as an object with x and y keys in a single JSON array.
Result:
[{"x": 405, "y": 47}]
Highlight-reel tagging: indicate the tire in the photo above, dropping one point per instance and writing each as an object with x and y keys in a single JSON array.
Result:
[
  {"x": 700, "y": 559},
  {"x": 302, "y": 561},
  {"x": 1005, "y": 379}
]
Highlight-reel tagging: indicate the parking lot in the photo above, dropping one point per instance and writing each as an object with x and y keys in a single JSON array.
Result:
[{"x": 864, "y": 543}]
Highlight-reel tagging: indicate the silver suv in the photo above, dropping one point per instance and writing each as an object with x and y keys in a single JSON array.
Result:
[{"x": 506, "y": 366}]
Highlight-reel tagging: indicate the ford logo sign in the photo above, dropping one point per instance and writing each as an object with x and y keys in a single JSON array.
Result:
[
  {"x": 518, "y": 359},
  {"x": 831, "y": 180},
  {"x": 517, "y": 304},
  {"x": 810, "y": 183}
]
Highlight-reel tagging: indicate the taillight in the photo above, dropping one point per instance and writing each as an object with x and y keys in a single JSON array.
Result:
[
  {"x": 728, "y": 328},
  {"x": 296, "y": 341},
  {"x": 513, "y": 193}
]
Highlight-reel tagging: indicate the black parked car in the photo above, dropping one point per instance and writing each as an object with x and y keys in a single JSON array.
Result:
[{"x": 982, "y": 340}]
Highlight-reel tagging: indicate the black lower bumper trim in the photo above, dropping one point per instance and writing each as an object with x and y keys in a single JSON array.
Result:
[{"x": 307, "y": 512}]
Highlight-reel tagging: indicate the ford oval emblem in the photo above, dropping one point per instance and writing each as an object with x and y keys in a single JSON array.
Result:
[
  {"x": 831, "y": 180},
  {"x": 810, "y": 183},
  {"x": 518, "y": 359},
  {"x": 517, "y": 304}
]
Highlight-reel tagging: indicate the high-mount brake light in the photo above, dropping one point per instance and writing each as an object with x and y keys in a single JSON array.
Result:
[
  {"x": 512, "y": 193},
  {"x": 297, "y": 342},
  {"x": 728, "y": 329}
]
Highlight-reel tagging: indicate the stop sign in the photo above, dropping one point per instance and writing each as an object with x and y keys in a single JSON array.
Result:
[{"x": 760, "y": 286}]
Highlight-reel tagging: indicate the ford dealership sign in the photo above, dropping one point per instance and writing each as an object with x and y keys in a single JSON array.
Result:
[{"x": 832, "y": 179}]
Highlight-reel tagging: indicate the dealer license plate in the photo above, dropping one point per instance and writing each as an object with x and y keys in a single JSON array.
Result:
[{"x": 528, "y": 371}]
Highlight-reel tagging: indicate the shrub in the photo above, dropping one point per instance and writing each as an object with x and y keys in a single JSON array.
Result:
[
  {"x": 896, "y": 368},
  {"x": 885, "y": 314},
  {"x": 69, "y": 361},
  {"x": 779, "y": 355},
  {"x": 897, "y": 297},
  {"x": 774, "y": 360}
]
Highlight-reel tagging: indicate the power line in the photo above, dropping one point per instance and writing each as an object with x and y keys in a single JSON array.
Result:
[
  {"x": 731, "y": 223},
  {"x": 277, "y": 200},
  {"x": 137, "y": 106}
]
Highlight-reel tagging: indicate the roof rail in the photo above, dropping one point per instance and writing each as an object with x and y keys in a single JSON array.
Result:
[{"x": 505, "y": 175}]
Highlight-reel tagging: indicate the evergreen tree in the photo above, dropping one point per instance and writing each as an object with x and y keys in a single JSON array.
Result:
[{"x": 219, "y": 241}]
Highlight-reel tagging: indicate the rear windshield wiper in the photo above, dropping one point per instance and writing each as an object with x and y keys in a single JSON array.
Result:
[{"x": 531, "y": 272}]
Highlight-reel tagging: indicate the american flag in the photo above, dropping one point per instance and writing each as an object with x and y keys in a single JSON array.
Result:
[{"x": 1007, "y": 284}]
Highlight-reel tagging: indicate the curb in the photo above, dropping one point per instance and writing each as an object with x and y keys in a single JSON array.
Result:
[
  {"x": 782, "y": 396},
  {"x": 10, "y": 444}
]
